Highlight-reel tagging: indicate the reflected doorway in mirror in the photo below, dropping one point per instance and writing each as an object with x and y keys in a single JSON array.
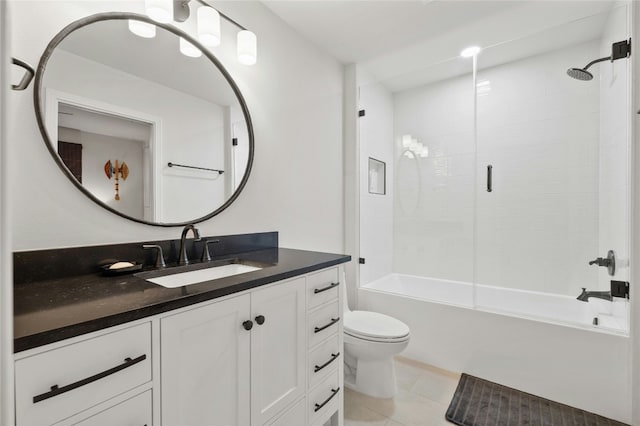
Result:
[{"x": 110, "y": 131}]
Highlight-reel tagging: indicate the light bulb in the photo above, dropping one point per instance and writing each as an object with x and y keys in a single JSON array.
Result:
[
  {"x": 159, "y": 10},
  {"x": 247, "y": 47},
  {"x": 189, "y": 49},
  {"x": 470, "y": 52},
  {"x": 142, "y": 29},
  {"x": 208, "y": 26}
]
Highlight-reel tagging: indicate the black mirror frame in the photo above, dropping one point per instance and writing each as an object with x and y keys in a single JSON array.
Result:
[{"x": 122, "y": 16}]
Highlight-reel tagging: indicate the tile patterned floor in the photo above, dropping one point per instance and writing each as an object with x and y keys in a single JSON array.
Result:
[{"x": 424, "y": 393}]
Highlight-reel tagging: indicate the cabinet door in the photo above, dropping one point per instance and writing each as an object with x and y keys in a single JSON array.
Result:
[
  {"x": 277, "y": 349},
  {"x": 294, "y": 416},
  {"x": 205, "y": 365}
]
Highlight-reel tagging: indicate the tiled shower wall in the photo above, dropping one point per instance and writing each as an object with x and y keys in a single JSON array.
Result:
[
  {"x": 614, "y": 153},
  {"x": 539, "y": 129}
]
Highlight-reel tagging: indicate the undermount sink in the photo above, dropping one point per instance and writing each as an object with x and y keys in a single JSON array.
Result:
[{"x": 201, "y": 275}]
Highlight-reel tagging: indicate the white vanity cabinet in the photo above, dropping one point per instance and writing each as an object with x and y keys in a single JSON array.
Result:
[
  {"x": 236, "y": 362},
  {"x": 268, "y": 356}
]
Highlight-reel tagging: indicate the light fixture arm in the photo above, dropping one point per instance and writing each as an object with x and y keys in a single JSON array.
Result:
[
  {"x": 204, "y": 3},
  {"x": 181, "y": 12}
]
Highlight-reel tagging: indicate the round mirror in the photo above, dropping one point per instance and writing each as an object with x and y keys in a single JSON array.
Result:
[{"x": 147, "y": 132}]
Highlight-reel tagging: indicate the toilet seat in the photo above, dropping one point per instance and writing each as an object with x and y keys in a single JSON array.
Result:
[{"x": 375, "y": 327}]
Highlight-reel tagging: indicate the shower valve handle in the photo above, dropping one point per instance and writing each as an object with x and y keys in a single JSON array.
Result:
[
  {"x": 600, "y": 262},
  {"x": 608, "y": 262}
]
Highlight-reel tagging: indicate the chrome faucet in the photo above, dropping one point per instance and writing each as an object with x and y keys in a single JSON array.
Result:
[
  {"x": 183, "y": 259},
  {"x": 585, "y": 295}
]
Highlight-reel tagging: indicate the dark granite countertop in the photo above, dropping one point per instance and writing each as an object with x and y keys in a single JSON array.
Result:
[{"x": 48, "y": 311}]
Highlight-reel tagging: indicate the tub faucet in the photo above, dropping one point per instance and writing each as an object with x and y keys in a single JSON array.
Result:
[
  {"x": 183, "y": 259},
  {"x": 585, "y": 295}
]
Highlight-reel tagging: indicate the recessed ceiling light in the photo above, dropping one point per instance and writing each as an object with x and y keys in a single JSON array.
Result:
[{"x": 470, "y": 51}]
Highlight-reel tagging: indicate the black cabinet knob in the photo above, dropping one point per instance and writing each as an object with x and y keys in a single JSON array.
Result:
[
  {"x": 248, "y": 325},
  {"x": 260, "y": 319}
]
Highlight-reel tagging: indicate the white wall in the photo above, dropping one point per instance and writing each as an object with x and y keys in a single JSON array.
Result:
[
  {"x": 376, "y": 210},
  {"x": 294, "y": 95},
  {"x": 538, "y": 128},
  {"x": 6, "y": 259}
]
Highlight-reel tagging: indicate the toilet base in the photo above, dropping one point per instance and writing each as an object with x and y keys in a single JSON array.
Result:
[{"x": 375, "y": 378}]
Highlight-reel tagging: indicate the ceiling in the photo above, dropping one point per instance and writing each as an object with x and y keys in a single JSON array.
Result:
[{"x": 404, "y": 43}]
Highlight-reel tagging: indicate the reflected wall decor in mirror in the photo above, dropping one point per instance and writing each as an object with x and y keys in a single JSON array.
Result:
[{"x": 146, "y": 132}]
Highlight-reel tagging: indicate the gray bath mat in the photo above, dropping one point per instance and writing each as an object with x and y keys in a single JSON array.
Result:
[{"x": 478, "y": 402}]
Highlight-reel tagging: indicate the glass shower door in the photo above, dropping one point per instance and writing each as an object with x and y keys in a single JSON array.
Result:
[
  {"x": 556, "y": 151},
  {"x": 419, "y": 231}
]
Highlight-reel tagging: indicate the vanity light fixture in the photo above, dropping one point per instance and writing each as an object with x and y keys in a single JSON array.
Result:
[
  {"x": 208, "y": 22},
  {"x": 247, "y": 47},
  {"x": 189, "y": 49},
  {"x": 470, "y": 52},
  {"x": 208, "y": 26},
  {"x": 142, "y": 29},
  {"x": 413, "y": 148},
  {"x": 159, "y": 10}
]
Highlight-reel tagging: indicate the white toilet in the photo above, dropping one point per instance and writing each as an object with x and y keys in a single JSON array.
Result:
[{"x": 370, "y": 342}]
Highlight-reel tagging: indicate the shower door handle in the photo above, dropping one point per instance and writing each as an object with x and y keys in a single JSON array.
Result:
[{"x": 489, "y": 178}]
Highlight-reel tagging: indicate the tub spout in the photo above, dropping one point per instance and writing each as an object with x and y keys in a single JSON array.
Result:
[{"x": 585, "y": 295}]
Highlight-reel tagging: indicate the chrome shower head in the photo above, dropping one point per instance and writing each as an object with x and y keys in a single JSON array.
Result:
[{"x": 579, "y": 74}]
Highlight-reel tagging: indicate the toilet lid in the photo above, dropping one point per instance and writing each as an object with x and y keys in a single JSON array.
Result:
[{"x": 374, "y": 325}]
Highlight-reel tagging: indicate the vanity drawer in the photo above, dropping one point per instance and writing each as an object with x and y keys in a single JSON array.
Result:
[
  {"x": 324, "y": 359},
  {"x": 134, "y": 411},
  {"x": 322, "y": 287},
  {"x": 323, "y": 323},
  {"x": 53, "y": 385},
  {"x": 324, "y": 398}
]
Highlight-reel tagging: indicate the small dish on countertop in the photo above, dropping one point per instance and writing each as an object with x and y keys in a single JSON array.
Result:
[{"x": 122, "y": 267}]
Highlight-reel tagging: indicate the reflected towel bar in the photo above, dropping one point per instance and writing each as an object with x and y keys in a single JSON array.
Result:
[{"x": 170, "y": 164}]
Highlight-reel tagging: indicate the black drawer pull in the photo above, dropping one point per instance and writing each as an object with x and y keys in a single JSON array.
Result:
[
  {"x": 334, "y": 392},
  {"x": 329, "y": 287},
  {"x": 320, "y": 367},
  {"x": 333, "y": 321},
  {"x": 55, "y": 390},
  {"x": 489, "y": 178}
]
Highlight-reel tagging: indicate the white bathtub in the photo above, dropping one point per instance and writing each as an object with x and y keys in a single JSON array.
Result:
[
  {"x": 540, "y": 343},
  {"x": 612, "y": 317}
]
